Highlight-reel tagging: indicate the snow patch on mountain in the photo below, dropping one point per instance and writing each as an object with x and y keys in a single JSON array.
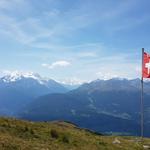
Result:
[{"x": 17, "y": 75}]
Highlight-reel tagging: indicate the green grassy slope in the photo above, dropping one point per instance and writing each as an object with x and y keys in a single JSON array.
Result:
[{"x": 23, "y": 135}]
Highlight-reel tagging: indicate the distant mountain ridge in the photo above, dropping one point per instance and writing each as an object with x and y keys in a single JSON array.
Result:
[
  {"x": 19, "y": 89},
  {"x": 101, "y": 105},
  {"x": 104, "y": 106}
]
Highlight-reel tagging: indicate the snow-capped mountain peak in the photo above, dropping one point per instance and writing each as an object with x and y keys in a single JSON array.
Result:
[{"x": 16, "y": 75}]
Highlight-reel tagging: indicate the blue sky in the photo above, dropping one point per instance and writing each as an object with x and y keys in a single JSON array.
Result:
[{"x": 74, "y": 40}]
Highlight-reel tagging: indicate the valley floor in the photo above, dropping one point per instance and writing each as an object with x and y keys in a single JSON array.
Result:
[{"x": 24, "y": 135}]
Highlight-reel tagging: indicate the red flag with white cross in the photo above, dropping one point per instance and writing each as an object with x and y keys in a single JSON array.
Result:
[{"x": 146, "y": 65}]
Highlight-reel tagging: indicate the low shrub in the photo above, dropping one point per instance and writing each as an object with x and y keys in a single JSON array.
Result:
[
  {"x": 65, "y": 139},
  {"x": 54, "y": 134}
]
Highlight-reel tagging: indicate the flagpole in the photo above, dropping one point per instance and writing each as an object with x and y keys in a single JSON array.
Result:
[{"x": 142, "y": 104}]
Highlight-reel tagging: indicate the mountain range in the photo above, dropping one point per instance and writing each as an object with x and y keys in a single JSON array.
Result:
[
  {"x": 19, "y": 89},
  {"x": 111, "y": 106},
  {"x": 105, "y": 106}
]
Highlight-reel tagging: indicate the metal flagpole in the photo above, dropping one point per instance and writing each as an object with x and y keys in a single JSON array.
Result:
[{"x": 142, "y": 104}]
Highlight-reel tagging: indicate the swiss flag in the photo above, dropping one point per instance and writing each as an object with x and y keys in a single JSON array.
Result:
[{"x": 146, "y": 65}]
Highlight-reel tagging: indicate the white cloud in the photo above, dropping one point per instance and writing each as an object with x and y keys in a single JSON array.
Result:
[
  {"x": 72, "y": 81},
  {"x": 62, "y": 25},
  {"x": 106, "y": 76},
  {"x": 30, "y": 30},
  {"x": 10, "y": 27},
  {"x": 61, "y": 63}
]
